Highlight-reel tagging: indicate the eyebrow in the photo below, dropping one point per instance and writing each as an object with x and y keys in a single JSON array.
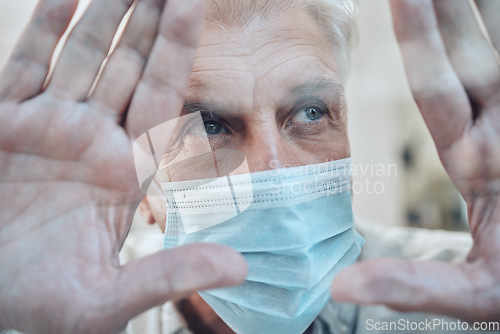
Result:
[
  {"x": 316, "y": 85},
  {"x": 193, "y": 107},
  {"x": 304, "y": 89}
]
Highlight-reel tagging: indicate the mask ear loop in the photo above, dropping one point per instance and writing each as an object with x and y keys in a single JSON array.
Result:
[{"x": 156, "y": 189}]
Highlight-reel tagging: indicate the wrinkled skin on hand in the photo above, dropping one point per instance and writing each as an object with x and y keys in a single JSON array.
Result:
[
  {"x": 454, "y": 74},
  {"x": 67, "y": 178}
]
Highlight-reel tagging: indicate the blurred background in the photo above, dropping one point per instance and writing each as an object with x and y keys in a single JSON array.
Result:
[
  {"x": 398, "y": 178},
  {"x": 386, "y": 130}
]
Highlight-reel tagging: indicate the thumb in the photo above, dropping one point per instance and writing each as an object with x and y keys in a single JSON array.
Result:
[
  {"x": 176, "y": 273},
  {"x": 407, "y": 285}
]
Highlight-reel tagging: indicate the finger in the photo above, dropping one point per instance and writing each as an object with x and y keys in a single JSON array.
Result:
[
  {"x": 160, "y": 93},
  {"x": 86, "y": 48},
  {"x": 176, "y": 273},
  {"x": 436, "y": 88},
  {"x": 489, "y": 10},
  {"x": 112, "y": 92},
  {"x": 470, "y": 53},
  {"x": 404, "y": 285},
  {"x": 28, "y": 66}
]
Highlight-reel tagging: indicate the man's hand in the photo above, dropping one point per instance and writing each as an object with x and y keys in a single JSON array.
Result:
[
  {"x": 454, "y": 73},
  {"x": 67, "y": 179}
]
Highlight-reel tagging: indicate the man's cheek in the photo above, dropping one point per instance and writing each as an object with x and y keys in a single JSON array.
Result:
[{"x": 158, "y": 208}]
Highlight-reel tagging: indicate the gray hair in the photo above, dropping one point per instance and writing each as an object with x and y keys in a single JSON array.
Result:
[{"x": 336, "y": 19}]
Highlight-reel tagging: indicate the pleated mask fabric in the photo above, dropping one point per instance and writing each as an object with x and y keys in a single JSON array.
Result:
[{"x": 295, "y": 228}]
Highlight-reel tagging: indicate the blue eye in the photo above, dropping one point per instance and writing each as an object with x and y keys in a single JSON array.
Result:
[
  {"x": 308, "y": 114},
  {"x": 313, "y": 113},
  {"x": 212, "y": 127}
]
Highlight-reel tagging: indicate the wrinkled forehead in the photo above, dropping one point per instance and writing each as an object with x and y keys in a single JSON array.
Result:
[{"x": 280, "y": 51}]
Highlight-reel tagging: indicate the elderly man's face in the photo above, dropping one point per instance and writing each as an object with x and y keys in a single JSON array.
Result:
[{"x": 270, "y": 91}]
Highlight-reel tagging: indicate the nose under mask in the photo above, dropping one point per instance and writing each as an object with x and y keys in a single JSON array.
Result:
[{"x": 295, "y": 228}]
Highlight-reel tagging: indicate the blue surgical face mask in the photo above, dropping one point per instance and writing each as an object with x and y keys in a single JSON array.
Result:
[{"x": 295, "y": 228}]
